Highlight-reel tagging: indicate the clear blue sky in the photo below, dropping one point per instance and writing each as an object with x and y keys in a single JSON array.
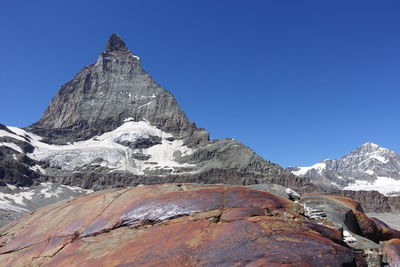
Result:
[{"x": 297, "y": 81}]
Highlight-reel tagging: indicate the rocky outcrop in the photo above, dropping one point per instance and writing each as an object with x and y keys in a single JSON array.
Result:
[
  {"x": 174, "y": 225},
  {"x": 371, "y": 201},
  {"x": 394, "y": 203},
  {"x": 16, "y": 168},
  {"x": 368, "y": 236}
]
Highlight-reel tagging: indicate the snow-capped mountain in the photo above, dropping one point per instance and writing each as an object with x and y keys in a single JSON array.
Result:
[
  {"x": 369, "y": 167},
  {"x": 112, "y": 125}
]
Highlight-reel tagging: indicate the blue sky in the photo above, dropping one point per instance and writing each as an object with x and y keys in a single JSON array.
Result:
[{"x": 297, "y": 81}]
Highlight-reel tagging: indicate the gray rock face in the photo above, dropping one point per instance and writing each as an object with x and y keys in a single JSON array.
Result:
[
  {"x": 337, "y": 213},
  {"x": 101, "y": 96},
  {"x": 16, "y": 168}
]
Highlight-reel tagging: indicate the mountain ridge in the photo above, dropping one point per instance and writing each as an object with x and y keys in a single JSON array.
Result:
[{"x": 368, "y": 167}]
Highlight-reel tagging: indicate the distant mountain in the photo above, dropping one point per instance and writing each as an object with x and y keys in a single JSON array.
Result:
[
  {"x": 112, "y": 125},
  {"x": 369, "y": 167}
]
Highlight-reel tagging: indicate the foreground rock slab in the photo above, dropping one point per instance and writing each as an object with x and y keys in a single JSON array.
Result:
[
  {"x": 392, "y": 249},
  {"x": 173, "y": 225}
]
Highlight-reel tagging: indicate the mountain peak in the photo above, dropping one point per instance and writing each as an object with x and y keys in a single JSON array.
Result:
[
  {"x": 115, "y": 43},
  {"x": 370, "y": 145}
]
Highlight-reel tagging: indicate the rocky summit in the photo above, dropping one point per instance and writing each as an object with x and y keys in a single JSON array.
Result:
[
  {"x": 102, "y": 96},
  {"x": 111, "y": 126}
]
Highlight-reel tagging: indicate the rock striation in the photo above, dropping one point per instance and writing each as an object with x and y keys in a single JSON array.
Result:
[
  {"x": 198, "y": 225},
  {"x": 173, "y": 225}
]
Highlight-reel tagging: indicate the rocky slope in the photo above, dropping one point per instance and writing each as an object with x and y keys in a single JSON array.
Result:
[{"x": 198, "y": 225}]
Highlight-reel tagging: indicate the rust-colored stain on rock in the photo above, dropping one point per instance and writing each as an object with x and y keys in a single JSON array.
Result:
[
  {"x": 368, "y": 227},
  {"x": 172, "y": 225}
]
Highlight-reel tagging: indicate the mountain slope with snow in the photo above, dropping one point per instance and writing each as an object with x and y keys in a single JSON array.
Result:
[
  {"x": 112, "y": 125},
  {"x": 369, "y": 167}
]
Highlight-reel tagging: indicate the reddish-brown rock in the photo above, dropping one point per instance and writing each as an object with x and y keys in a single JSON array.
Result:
[
  {"x": 392, "y": 250},
  {"x": 387, "y": 233},
  {"x": 352, "y": 214},
  {"x": 172, "y": 225}
]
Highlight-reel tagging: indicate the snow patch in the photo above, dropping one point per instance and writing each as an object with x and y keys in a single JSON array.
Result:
[
  {"x": 78, "y": 189},
  {"x": 348, "y": 237},
  {"x": 38, "y": 168},
  {"x": 149, "y": 103},
  {"x": 370, "y": 172},
  {"x": 12, "y": 187},
  {"x": 15, "y": 136},
  {"x": 384, "y": 185},
  {"x": 319, "y": 167},
  {"x": 380, "y": 158},
  {"x": 105, "y": 150},
  {"x": 47, "y": 191},
  {"x": 12, "y": 146}
]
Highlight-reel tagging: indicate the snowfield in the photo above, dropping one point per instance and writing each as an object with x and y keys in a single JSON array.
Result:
[
  {"x": 319, "y": 167},
  {"x": 107, "y": 150},
  {"x": 384, "y": 185}
]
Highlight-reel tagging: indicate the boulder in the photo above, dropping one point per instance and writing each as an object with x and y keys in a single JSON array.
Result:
[
  {"x": 173, "y": 225},
  {"x": 387, "y": 233},
  {"x": 346, "y": 213}
]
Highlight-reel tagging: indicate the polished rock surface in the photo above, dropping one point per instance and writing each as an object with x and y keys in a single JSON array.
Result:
[{"x": 173, "y": 225}]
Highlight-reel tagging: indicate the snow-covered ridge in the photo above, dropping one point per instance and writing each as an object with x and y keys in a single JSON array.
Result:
[
  {"x": 369, "y": 167},
  {"x": 320, "y": 166},
  {"x": 108, "y": 150}
]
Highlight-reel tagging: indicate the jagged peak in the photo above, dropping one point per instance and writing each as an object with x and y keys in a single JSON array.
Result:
[
  {"x": 370, "y": 145},
  {"x": 115, "y": 43}
]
